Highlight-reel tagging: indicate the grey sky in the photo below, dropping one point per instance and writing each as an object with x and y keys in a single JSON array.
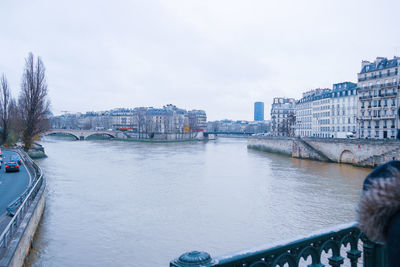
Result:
[{"x": 219, "y": 56}]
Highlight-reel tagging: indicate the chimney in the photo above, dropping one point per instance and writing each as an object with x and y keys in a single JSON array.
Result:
[
  {"x": 379, "y": 59},
  {"x": 364, "y": 63}
]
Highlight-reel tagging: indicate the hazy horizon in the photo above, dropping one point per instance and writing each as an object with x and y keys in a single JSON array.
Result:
[{"x": 219, "y": 56}]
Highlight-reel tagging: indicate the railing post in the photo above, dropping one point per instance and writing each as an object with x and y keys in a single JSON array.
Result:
[
  {"x": 374, "y": 254},
  {"x": 353, "y": 255},
  {"x": 380, "y": 255},
  {"x": 336, "y": 261},
  {"x": 193, "y": 259}
]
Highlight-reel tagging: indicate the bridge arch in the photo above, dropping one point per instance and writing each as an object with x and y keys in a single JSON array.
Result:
[
  {"x": 101, "y": 133},
  {"x": 63, "y": 132},
  {"x": 347, "y": 157}
]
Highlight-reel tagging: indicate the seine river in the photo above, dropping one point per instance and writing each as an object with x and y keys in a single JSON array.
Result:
[{"x": 113, "y": 203}]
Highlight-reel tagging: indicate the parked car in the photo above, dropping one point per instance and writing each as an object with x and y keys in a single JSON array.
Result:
[{"x": 12, "y": 166}]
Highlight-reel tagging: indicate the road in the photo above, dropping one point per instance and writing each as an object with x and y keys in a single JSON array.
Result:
[{"x": 12, "y": 185}]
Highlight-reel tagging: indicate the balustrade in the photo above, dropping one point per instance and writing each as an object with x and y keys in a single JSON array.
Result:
[{"x": 311, "y": 248}]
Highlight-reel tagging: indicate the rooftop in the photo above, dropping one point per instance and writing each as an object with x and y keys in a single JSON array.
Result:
[{"x": 379, "y": 64}]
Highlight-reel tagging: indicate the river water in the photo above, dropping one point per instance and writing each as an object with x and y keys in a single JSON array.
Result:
[{"x": 113, "y": 203}]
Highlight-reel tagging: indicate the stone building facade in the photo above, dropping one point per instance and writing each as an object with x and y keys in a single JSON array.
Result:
[
  {"x": 344, "y": 110},
  {"x": 283, "y": 117},
  {"x": 321, "y": 115},
  {"x": 313, "y": 114},
  {"x": 378, "y": 108}
]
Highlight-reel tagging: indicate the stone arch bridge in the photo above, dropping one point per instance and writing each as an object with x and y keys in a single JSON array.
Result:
[{"x": 83, "y": 134}]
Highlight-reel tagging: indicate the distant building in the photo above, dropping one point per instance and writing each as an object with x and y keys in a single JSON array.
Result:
[
  {"x": 124, "y": 118},
  {"x": 378, "y": 84},
  {"x": 197, "y": 120},
  {"x": 344, "y": 110},
  {"x": 283, "y": 117},
  {"x": 139, "y": 122},
  {"x": 313, "y": 114},
  {"x": 304, "y": 113},
  {"x": 321, "y": 121},
  {"x": 258, "y": 111}
]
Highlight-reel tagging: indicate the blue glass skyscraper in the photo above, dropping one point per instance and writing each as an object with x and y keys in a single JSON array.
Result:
[{"x": 259, "y": 111}]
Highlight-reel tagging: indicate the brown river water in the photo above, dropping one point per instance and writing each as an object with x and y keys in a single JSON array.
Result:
[{"x": 114, "y": 203}]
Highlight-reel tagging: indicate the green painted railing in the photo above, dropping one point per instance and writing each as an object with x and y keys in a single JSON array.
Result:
[{"x": 345, "y": 245}]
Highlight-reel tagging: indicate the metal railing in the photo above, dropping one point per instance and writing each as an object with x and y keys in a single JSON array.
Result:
[
  {"x": 21, "y": 205},
  {"x": 311, "y": 248}
]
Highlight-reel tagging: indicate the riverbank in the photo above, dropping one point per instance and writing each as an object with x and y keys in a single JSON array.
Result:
[
  {"x": 36, "y": 151},
  {"x": 358, "y": 152},
  {"x": 154, "y": 141}
]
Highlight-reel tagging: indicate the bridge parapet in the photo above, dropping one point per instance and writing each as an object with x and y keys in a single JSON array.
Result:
[{"x": 314, "y": 248}]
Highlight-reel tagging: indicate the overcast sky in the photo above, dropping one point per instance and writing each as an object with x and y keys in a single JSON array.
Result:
[{"x": 219, "y": 56}]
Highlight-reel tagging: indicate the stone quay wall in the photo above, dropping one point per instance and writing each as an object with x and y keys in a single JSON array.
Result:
[
  {"x": 279, "y": 145},
  {"x": 359, "y": 152}
]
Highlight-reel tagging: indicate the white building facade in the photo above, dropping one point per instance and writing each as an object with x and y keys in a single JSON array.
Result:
[
  {"x": 344, "y": 110},
  {"x": 313, "y": 114},
  {"x": 321, "y": 121},
  {"x": 378, "y": 105},
  {"x": 304, "y": 114}
]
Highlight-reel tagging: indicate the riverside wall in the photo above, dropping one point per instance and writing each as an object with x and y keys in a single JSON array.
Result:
[
  {"x": 21, "y": 244},
  {"x": 359, "y": 152},
  {"x": 279, "y": 145}
]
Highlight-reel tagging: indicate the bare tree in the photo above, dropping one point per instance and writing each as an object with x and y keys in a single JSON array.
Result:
[
  {"x": 149, "y": 125},
  {"x": 141, "y": 118},
  {"x": 5, "y": 100},
  {"x": 167, "y": 122},
  {"x": 33, "y": 104}
]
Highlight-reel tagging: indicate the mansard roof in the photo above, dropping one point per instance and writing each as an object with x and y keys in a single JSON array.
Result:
[{"x": 383, "y": 63}]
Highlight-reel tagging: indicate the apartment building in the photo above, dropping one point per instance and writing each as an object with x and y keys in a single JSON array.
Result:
[
  {"x": 378, "y": 108},
  {"x": 304, "y": 114},
  {"x": 344, "y": 110},
  {"x": 321, "y": 114},
  {"x": 283, "y": 117},
  {"x": 313, "y": 114}
]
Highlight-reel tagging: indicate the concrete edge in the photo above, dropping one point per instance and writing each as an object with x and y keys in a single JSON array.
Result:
[{"x": 21, "y": 244}]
